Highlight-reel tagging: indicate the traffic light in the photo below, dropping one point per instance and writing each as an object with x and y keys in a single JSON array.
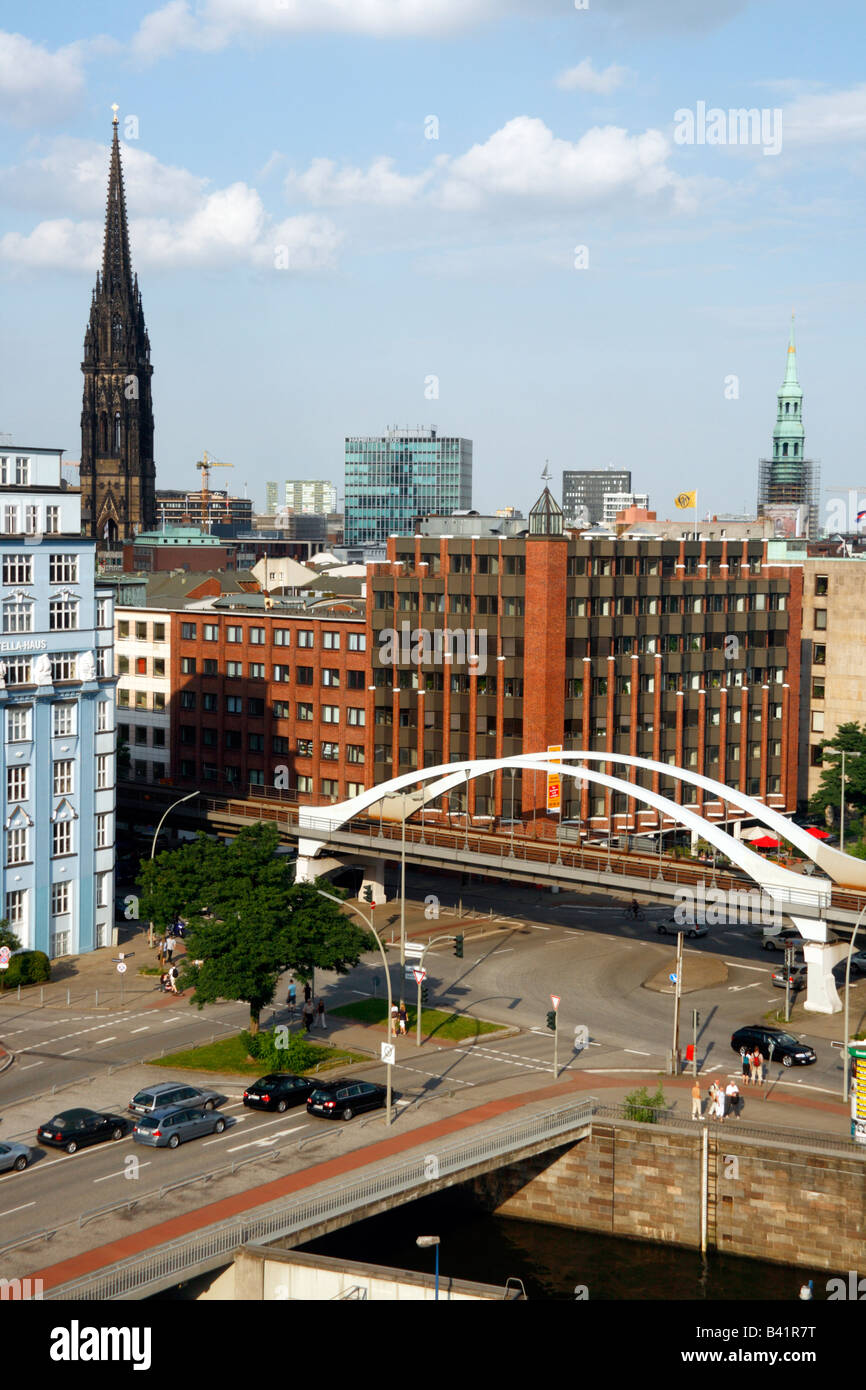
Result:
[
  {"x": 367, "y": 893},
  {"x": 424, "y": 994},
  {"x": 458, "y": 946},
  {"x": 551, "y": 1020}
]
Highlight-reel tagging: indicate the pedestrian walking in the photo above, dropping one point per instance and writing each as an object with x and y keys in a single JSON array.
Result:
[
  {"x": 172, "y": 978},
  {"x": 753, "y": 1070},
  {"x": 403, "y": 1019},
  {"x": 308, "y": 1016},
  {"x": 320, "y": 1012},
  {"x": 758, "y": 1059},
  {"x": 308, "y": 993},
  {"x": 169, "y": 948},
  {"x": 394, "y": 1018},
  {"x": 732, "y": 1098},
  {"x": 291, "y": 999},
  {"x": 747, "y": 1065},
  {"x": 160, "y": 951},
  {"x": 696, "y": 1100}
]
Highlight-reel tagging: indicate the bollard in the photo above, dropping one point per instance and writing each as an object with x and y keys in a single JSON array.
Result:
[
  {"x": 19, "y": 994},
  {"x": 67, "y": 998},
  {"x": 96, "y": 1004},
  {"x": 41, "y": 995}
]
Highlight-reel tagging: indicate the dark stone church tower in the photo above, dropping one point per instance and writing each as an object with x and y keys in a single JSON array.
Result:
[{"x": 118, "y": 477}]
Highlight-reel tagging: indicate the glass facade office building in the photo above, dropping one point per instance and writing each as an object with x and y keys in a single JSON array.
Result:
[{"x": 394, "y": 478}]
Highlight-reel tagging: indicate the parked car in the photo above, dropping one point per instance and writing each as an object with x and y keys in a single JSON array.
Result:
[
  {"x": 341, "y": 1099},
  {"x": 786, "y": 1048},
  {"x": 15, "y": 1156},
  {"x": 170, "y": 1127},
  {"x": 277, "y": 1091},
  {"x": 796, "y": 976},
  {"x": 779, "y": 938},
  {"x": 671, "y": 928},
  {"x": 165, "y": 1093},
  {"x": 74, "y": 1129}
]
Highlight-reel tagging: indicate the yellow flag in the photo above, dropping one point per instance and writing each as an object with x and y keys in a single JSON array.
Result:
[{"x": 684, "y": 500}]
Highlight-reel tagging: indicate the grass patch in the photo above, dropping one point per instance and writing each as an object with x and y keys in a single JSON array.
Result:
[
  {"x": 434, "y": 1022},
  {"x": 150, "y": 970},
  {"x": 230, "y": 1055}
]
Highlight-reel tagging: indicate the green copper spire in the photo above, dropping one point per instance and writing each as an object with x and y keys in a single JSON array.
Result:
[{"x": 789, "y": 434}]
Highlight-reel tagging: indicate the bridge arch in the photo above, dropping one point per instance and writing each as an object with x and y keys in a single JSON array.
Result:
[{"x": 789, "y": 887}]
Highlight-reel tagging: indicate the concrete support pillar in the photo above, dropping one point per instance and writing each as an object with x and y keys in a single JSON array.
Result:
[
  {"x": 821, "y": 994},
  {"x": 374, "y": 877}
]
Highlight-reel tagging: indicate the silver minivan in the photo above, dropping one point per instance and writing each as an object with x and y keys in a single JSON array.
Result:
[{"x": 166, "y": 1093}]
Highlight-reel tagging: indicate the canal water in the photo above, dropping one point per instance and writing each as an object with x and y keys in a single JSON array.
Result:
[{"x": 552, "y": 1261}]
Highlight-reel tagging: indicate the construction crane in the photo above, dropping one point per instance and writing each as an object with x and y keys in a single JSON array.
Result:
[{"x": 206, "y": 464}]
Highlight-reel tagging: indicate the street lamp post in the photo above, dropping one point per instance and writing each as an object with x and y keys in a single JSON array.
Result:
[
  {"x": 179, "y": 802},
  {"x": 434, "y": 1241},
  {"x": 844, "y": 753},
  {"x": 846, "y": 1060},
  {"x": 403, "y": 890},
  {"x": 369, "y": 920}
]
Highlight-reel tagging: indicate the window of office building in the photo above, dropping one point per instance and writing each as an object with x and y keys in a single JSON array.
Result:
[
  {"x": 305, "y": 637},
  {"x": 52, "y": 521},
  {"x": 304, "y": 747},
  {"x": 63, "y": 569},
  {"x": 355, "y": 752},
  {"x": 331, "y": 641},
  {"x": 256, "y": 636},
  {"x": 63, "y": 614},
  {"x": 234, "y": 634},
  {"x": 330, "y": 714},
  {"x": 60, "y": 899},
  {"x": 331, "y": 751},
  {"x": 330, "y": 676},
  {"x": 159, "y": 632},
  {"x": 211, "y": 632},
  {"x": 17, "y": 784},
  {"x": 17, "y": 569},
  {"x": 282, "y": 637},
  {"x": 63, "y": 777},
  {"x": 18, "y": 720},
  {"x": 17, "y": 615},
  {"x": 820, "y": 619},
  {"x": 187, "y": 665},
  {"x": 234, "y": 669},
  {"x": 234, "y": 704},
  {"x": 104, "y": 771},
  {"x": 103, "y": 612},
  {"x": 17, "y": 845},
  {"x": 817, "y": 721},
  {"x": 257, "y": 670},
  {"x": 305, "y": 784},
  {"x": 61, "y": 838},
  {"x": 104, "y": 830},
  {"x": 303, "y": 675},
  {"x": 188, "y": 631},
  {"x": 356, "y": 717},
  {"x": 357, "y": 641},
  {"x": 18, "y": 671},
  {"x": 16, "y": 909},
  {"x": 282, "y": 709}
]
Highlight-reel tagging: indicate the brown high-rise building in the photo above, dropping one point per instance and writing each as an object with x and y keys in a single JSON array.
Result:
[{"x": 118, "y": 476}]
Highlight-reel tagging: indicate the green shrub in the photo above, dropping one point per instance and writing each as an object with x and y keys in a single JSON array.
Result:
[
  {"x": 296, "y": 1056},
  {"x": 27, "y": 968},
  {"x": 640, "y": 1105}
]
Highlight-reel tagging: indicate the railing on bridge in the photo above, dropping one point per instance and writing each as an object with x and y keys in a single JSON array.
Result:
[{"x": 207, "y": 1249}]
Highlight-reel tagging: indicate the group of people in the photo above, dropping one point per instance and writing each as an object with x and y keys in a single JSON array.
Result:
[
  {"x": 753, "y": 1068},
  {"x": 399, "y": 1020},
  {"x": 722, "y": 1101},
  {"x": 309, "y": 1014},
  {"x": 165, "y": 959}
]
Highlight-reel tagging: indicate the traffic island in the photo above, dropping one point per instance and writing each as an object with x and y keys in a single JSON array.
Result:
[
  {"x": 229, "y": 1056},
  {"x": 437, "y": 1025},
  {"x": 699, "y": 972}
]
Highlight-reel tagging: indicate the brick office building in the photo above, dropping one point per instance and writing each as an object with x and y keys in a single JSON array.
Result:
[
  {"x": 682, "y": 651},
  {"x": 266, "y": 696}
]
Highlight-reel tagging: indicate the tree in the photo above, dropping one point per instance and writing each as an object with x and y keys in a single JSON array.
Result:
[
  {"x": 7, "y": 936},
  {"x": 852, "y": 738},
  {"x": 248, "y": 921}
]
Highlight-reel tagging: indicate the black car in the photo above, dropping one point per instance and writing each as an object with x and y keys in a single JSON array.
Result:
[
  {"x": 341, "y": 1099},
  {"x": 277, "y": 1091},
  {"x": 73, "y": 1129},
  {"x": 786, "y": 1048}
]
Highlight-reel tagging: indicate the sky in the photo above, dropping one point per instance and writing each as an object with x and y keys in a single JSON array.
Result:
[{"x": 533, "y": 223}]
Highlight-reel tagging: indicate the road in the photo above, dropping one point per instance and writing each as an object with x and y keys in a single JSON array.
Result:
[{"x": 593, "y": 956}]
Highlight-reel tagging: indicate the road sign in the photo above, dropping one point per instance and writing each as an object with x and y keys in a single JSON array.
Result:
[
  {"x": 414, "y": 950},
  {"x": 555, "y": 998},
  {"x": 388, "y": 1053},
  {"x": 122, "y": 969},
  {"x": 672, "y": 977},
  {"x": 419, "y": 975},
  {"x": 5, "y": 953}
]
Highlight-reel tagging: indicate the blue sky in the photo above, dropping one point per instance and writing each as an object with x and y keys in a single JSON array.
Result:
[{"x": 270, "y": 132}]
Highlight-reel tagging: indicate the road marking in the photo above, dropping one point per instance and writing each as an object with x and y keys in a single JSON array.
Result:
[
  {"x": 761, "y": 969},
  {"x": 100, "y": 1041},
  {"x": 502, "y": 951},
  {"x": 70, "y": 1052},
  {"x": 535, "y": 926},
  {"x": 122, "y": 1174},
  {"x": 735, "y": 989},
  {"x": 437, "y": 1074},
  {"x": 33, "y": 1064},
  {"x": 260, "y": 1143},
  {"x": 142, "y": 1030},
  {"x": 637, "y": 1052},
  {"x": 12, "y": 1209}
]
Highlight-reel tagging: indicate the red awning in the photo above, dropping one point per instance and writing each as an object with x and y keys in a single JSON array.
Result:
[
  {"x": 817, "y": 832},
  {"x": 766, "y": 842}
]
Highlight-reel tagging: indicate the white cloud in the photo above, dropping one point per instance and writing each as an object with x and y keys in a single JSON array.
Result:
[
  {"x": 525, "y": 160},
  {"x": 584, "y": 78},
  {"x": 827, "y": 118},
  {"x": 73, "y": 175},
  {"x": 323, "y": 183},
  {"x": 228, "y": 227},
  {"x": 213, "y": 24},
  {"x": 36, "y": 85}
]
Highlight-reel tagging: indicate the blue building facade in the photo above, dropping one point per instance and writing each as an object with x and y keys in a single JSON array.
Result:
[
  {"x": 56, "y": 714},
  {"x": 395, "y": 478}
]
